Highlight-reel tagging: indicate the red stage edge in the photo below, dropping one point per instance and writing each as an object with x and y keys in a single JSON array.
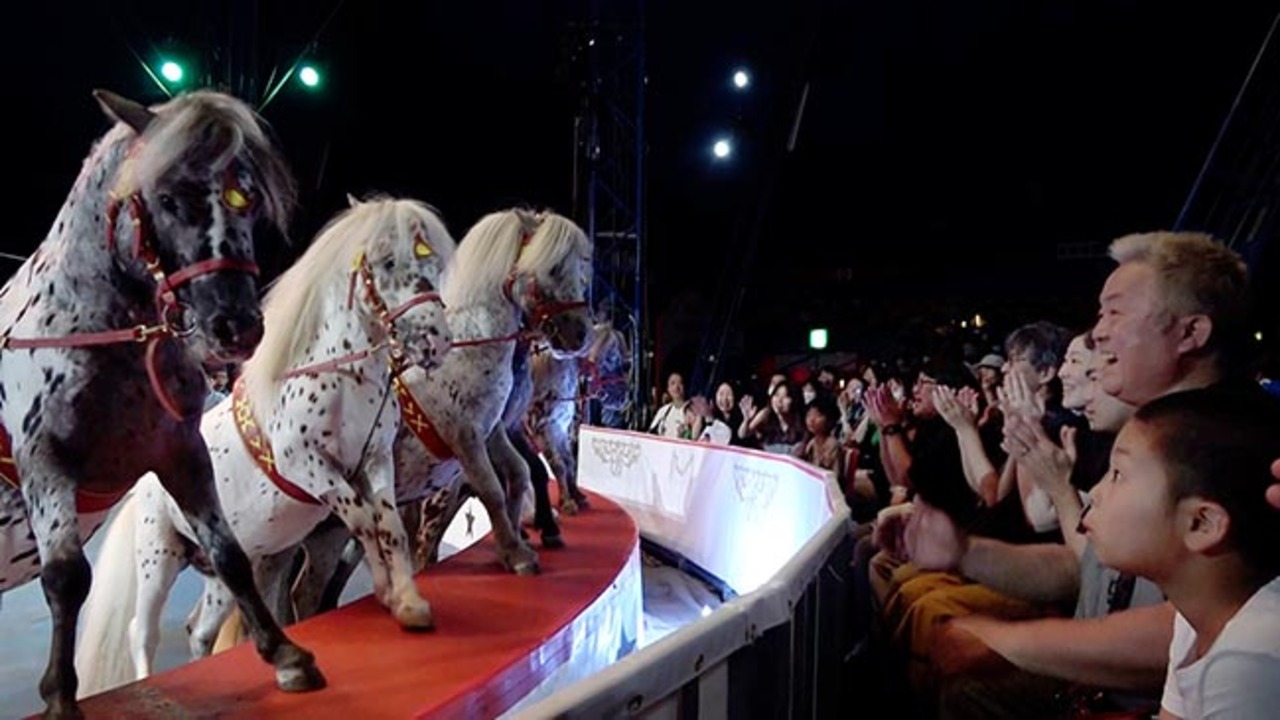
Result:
[{"x": 502, "y": 641}]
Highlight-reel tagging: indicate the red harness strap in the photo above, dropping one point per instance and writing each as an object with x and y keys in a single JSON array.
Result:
[
  {"x": 419, "y": 423},
  {"x": 259, "y": 447},
  {"x": 168, "y": 307},
  {"x": 87, "y": 501}
]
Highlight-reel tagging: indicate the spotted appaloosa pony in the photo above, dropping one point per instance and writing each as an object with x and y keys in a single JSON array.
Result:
[
  {"x": 561, "y": 388},
  {"x": 542, "y": 414},
  {"x": 546, "y": 406},
  {"x": 516, "y": 274},
  {"x": 307, "y": 431},
  {"x": 147, "y": 272}
]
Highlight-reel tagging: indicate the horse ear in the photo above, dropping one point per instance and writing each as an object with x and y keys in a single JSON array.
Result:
[
  {"x": 122, "y": 109},
  {"x": 352, "y": 200}
]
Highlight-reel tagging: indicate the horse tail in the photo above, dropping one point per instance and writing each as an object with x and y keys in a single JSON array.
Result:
[{"x": 103, "y": 657}]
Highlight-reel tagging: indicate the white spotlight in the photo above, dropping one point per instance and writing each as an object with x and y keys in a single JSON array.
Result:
[
  {"x": 741, "y": 79},
  {"x": 722, "y": 149}
]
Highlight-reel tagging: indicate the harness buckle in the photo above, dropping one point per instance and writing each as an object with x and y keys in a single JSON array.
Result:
[{"x": 143, "y": 333}]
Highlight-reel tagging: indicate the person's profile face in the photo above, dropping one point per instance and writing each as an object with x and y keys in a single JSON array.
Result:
[{"x": 1131, "y": 520}]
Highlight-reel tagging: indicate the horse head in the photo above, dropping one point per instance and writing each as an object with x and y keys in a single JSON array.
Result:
[
  {"x": 403, "y": 265},
  {"x": 610, "y": 361},
  {"x": 200, "y": 171},
  {"x": 551, "y": 278}
]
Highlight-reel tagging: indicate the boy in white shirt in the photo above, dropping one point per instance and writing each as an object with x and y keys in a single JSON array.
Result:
[{"x": 1182, "y": 505}]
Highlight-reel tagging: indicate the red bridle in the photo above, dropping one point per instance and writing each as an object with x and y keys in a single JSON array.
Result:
[
  {"x": 541, "y": 314},
  {"x": 386, "y": 316},
  {"x": 168, "y": 308}
]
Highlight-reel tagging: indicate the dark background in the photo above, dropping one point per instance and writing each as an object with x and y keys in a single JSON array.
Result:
[{"x": 948, "y": 152}]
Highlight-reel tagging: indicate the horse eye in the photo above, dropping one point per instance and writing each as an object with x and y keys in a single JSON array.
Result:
[{"x": 168, "y": 203}]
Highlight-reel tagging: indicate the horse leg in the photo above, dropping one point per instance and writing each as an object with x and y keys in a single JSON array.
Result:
[
  {"x": 436, "y": 512},
  {"x": 543, "y": 518},
  {"x": 222, "y": 627},
  {"x": 566, "y": 441},
  {"x": 516, "y": 555},
  {"x": 65, "y": 576},
  {"x": 323, "y": 547},
  {"x": 515, "y": 472},
  {"x": 410, "y": 608},
  {"x": 274, "y": 575},
  {"x": 193, "y": 491},
  {"x": 370, "y": 513},
  {"x": 349, "y": 559},
  {"x": 159, "y": 555},
  {"x": 216, "y": 603},
  {"x": 411, "y": 519},
  {"x": 560, "y": 455}
]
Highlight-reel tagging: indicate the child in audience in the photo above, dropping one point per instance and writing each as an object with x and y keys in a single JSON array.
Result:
[{"x": 1182, "y": 505}]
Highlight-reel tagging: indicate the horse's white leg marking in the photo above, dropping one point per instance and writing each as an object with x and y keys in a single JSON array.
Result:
[
  {"x": 159, "y": 554},
  {"x": 216, "y": 604}
]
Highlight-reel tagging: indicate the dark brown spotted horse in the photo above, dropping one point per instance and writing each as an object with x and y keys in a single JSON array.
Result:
[{"x": 147, "y": 272}]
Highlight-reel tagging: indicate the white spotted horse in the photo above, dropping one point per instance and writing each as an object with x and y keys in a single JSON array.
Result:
[
  {"x": 543, "y": 412},
  {"x": 562, "y": 388},
  {"x": 308, "y": 431},
  {"x": 147, "y": 272},
  {"x": 516, "y": 275},
  {"x": 542, "y": 417}
]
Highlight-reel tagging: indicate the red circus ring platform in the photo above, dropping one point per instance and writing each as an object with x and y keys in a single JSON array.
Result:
[{"x": 499, "y": 638}]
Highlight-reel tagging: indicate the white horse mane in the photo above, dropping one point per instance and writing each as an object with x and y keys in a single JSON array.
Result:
[
  {"x": 208, "y": 130},
  {"x": 605, "y": 336},
  {"x": 493, "y": 247},
  {"x": 293, "y": 309}
]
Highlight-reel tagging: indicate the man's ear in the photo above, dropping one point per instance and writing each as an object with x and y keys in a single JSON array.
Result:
[{"x": 1195, "y": 332}]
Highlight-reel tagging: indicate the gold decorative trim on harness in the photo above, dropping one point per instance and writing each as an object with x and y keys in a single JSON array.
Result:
[
  {"x": 259, "y": 447},
  {"x": 417, "y": 421}
]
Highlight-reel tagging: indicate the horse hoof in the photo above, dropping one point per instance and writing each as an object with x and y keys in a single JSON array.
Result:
[
  {"x": 304, "y": 678},
  {"x": 296, "y": 669},
  {"x": 553, "y": 542},
  {"x": 415, "y": 616},
  {"x": 526, "y": 568},
  {"x": 63, "y": 711},
  {"x": 582, "y": 501},
  {"x": 569, "y": 507}
]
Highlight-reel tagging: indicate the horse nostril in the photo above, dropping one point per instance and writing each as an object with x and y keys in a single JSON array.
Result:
[{"x": 237, "y": 331}]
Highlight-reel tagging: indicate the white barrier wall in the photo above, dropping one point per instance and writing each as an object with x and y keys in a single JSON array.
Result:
[
  {"x": 777, "y": 532},
  {"x": 739, "y": 514}
]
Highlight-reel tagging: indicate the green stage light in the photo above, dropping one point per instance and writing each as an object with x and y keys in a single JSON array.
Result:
[
  {"x": 309, "y": 76},
  {"x": 172, "y": 71}
]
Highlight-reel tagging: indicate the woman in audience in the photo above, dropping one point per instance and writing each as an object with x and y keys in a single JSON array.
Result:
[{"x": 669, "y": 420}]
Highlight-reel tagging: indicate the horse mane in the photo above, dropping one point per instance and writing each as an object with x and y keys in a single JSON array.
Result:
[
  {"x": 208, "y": 129},
  {"x": 293, "y": 308},
  {"x": 506, "y": 241},
  {"x": 555, "y": 239}
]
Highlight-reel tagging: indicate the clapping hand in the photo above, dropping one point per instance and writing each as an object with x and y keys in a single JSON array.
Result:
[
  {"x": 953, "y": 408},
  {"x": 1017, "y": 398}
]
